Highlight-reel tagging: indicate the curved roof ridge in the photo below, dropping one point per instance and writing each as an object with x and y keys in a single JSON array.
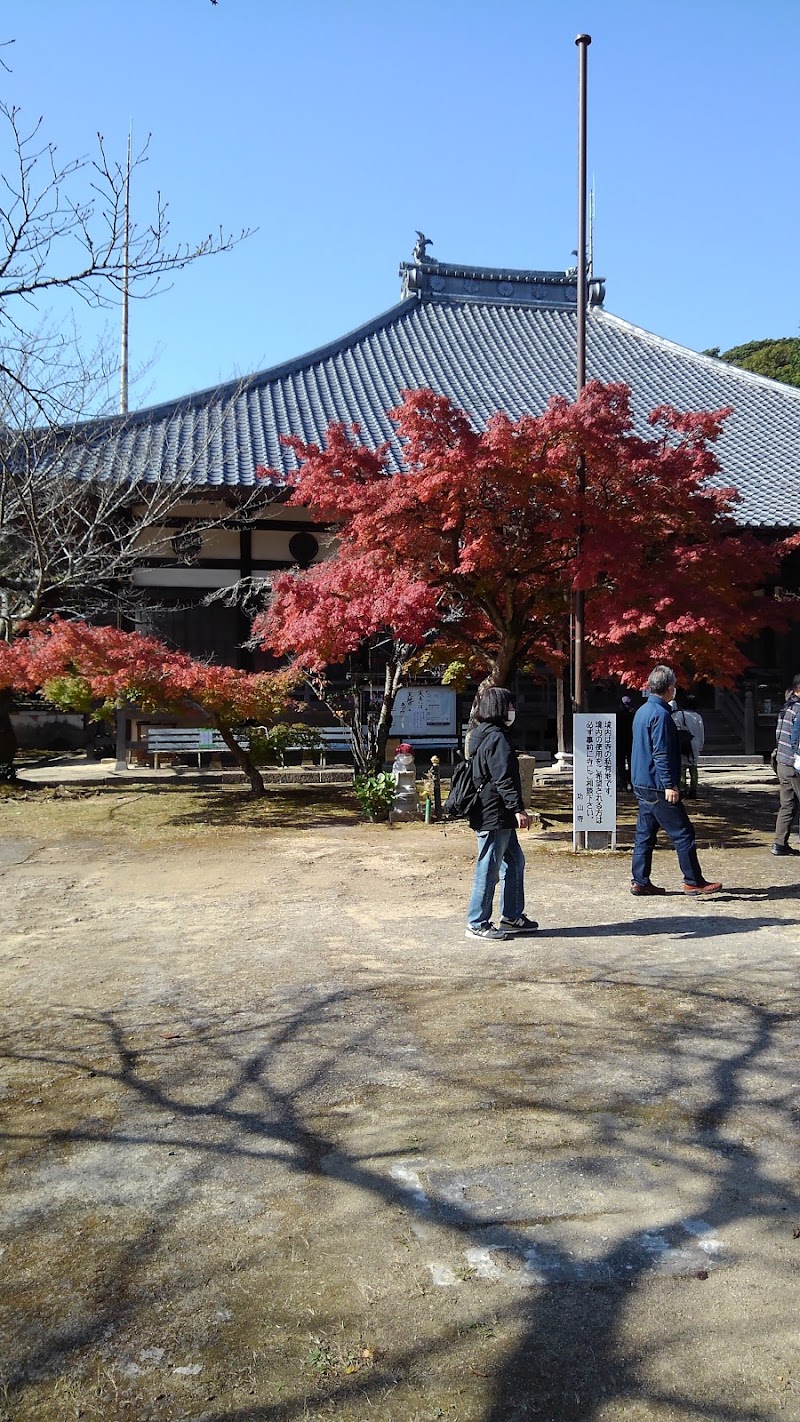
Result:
[
  {"x": 484, "y": 356},
  {"x": 245, "y": 384},
  {"x": 714, "y": 362}
]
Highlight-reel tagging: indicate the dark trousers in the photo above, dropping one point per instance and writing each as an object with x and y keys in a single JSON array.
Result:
[
  {"x": 656, "y": 813},
  {"x": 790, "y": 801}
]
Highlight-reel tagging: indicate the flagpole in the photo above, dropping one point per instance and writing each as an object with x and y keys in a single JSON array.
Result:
[{"x": 583, "y": 42}]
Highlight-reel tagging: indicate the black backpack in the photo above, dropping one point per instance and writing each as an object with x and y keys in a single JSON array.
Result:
[{"x": 464, "y": 793}]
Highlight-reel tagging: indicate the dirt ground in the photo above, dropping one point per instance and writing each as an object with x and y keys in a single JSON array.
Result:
[{"x": 280, "y": 1143}]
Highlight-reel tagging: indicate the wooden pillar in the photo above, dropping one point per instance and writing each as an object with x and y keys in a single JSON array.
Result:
[
  {"x": 244, "y": 657},
  {"x": 122, "y": 738}
]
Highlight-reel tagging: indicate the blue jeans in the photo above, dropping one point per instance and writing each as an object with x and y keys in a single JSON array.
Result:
[
  {"x": 656, "y": 813},
  {"x": 499, "y": 857}
]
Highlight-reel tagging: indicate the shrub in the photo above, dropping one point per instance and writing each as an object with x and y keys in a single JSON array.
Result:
[
  {"x": 269, "y": 745},
  {"x": 375, "y": 794}
]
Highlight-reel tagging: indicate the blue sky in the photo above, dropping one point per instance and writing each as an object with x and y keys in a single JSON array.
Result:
[{"x": 338, "y": 128}]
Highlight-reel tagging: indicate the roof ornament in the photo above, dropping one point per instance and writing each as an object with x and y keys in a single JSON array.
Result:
[{"x": 419, "y": 253}]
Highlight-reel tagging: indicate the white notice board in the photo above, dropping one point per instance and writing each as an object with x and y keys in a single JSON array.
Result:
[
  {"x": 424, "y": 711},
  {"x": 594, "y": 775}
]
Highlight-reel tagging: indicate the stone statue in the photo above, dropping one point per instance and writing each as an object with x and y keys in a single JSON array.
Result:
[{"x": 419, "y": 253}]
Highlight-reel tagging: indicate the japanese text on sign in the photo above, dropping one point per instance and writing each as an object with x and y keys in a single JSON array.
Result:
[
  {"x": 594, "y": 768},
  {"x": 424, "y": 710}
]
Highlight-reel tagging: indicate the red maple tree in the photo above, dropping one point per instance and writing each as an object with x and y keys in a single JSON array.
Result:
[
  {"x": 348, "y": 604},
  {"x": 483, "y": 537},
  {"x": 82, "y": 667}
]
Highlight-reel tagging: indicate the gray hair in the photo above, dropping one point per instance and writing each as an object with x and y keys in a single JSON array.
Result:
[{"x": 660, "y": 680}]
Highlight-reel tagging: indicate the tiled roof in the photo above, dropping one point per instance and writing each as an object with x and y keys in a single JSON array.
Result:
[{"x": 484, "y": 355}]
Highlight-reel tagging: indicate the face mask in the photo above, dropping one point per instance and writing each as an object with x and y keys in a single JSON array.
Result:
[{"x": 511, "y": 717}]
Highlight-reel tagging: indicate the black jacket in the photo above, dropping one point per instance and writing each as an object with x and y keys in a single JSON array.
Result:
[{"x": 495, "y": 770}]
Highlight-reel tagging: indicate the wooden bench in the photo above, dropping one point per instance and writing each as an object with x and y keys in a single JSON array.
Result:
[
  {"x": 339, "y": 738},
  {"x": 332, "y": 738},
  {"x": 542, "y": 757},
  {"x": 433, "y": 743},
  {"x": 188, "y": 740}
]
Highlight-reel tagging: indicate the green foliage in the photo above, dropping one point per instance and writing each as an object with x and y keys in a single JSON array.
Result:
[
  {"x": 69, "y": 693},
  {"x": 778, "y": 359},
  {"x": 375, "y": 794},
  {"x": 270, "y": 746},
  {"x": 73, "y": 693},
  {"x": 457, "y": 674},
  {"x": 452, "y": 668}
]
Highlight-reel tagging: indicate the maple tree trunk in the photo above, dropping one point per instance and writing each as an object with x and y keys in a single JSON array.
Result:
[
  {"x": 8, "y": 741},
  {"x": 369, "y": 743},
  {"x": 393, "y": 679},
  {"x": 502, "y": 670},
  {"x": 246, "y": 765}
]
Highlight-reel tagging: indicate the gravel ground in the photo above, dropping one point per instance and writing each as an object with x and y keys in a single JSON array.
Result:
[{"x": 279, "y": 1142}]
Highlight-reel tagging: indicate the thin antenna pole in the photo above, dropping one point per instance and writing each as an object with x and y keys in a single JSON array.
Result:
[
  {"x": 123, "y": 358},
  {"x": 591, "y": 230},
  {"x": 583, "y": 42}
]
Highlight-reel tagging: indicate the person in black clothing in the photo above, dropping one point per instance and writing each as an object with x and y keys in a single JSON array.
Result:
[
  {"x": 624, "y": 743},
  {"x": 496, "y": 818}
]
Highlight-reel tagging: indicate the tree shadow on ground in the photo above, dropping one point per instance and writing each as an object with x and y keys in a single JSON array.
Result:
[
  {"x": 256, "y": 1091},
  {"x": 283, "y": 807}
]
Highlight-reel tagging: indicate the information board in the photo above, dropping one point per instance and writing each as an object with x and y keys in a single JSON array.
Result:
[
  {"x": 424, "y": 711},
  {"x": 594, "y": 775}
]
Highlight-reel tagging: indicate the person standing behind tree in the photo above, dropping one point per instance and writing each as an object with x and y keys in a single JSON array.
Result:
[
  {"x": 688, "y": 718},
  {"x": 656, "y": 771},
  {"x": 788, "y": 747}
]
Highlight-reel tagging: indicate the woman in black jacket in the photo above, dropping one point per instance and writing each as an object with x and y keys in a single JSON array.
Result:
[{"x": 498, "y": 815}]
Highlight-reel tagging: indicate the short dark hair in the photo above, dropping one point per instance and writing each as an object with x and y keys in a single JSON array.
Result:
[
  {"x": 691, "y": 702},
  {"x": 796, "y": 682},
  {"x": 493, "y": 704}
]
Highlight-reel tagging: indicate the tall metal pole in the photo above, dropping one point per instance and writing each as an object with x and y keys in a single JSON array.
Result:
[{"x": 583, "y": 42}]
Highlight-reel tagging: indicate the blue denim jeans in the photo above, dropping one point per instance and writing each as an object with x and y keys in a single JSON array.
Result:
[
  {"x": 656, "y": 813},
  {"x": 499, "y": 857}
]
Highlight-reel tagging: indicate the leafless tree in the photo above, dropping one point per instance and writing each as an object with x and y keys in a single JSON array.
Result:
[
  {"x": 71, "y": 531},
  {"x": 64, "y": 231}
]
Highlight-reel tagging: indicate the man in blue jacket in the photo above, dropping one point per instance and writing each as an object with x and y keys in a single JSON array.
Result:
[{"x": 656, "y": 776}]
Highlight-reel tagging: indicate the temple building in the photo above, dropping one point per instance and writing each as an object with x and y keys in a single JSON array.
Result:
[{"x": 487, "y": 338}]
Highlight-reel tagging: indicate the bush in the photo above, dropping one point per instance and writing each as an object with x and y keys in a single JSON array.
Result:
[
  {"x": 375, "y": 794},
  {"x": 268, "y": 746}
]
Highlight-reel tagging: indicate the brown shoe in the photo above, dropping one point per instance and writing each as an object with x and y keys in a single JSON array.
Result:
[
  {"x": 704, "y": 888},
  {"x": 646, "y": 890}
]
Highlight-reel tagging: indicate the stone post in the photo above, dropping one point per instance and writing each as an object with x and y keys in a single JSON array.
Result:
[{"x": 749, "y": 723}]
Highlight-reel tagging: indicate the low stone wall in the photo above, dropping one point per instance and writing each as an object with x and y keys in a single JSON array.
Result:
[{"x": 49, "y": 730}]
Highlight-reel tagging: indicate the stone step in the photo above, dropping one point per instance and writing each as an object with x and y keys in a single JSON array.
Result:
[{"x": 730, "y": 762}]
